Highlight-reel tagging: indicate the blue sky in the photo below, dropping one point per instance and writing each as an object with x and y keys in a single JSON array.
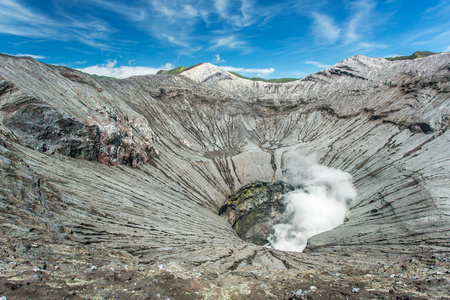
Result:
[{"x": 270, "y": 39}]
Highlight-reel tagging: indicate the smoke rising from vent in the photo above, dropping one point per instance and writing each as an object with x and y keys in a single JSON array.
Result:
[{"x": 319, "y": 205}]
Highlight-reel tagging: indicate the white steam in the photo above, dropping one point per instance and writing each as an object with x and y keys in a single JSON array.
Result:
[{"x": 320, "y": 205}]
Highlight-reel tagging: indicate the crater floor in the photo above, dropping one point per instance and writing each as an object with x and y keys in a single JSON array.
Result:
[{"x": 113, "y": 187}]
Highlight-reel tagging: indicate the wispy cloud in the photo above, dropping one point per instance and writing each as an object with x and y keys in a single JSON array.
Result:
[
  {"x": 186, "y": 24},
  {"x": 222, "y": 7},
  {"x": 359, "y": 20},
  {"x": 317, "y": 64},
  {"x": 238, "y": 13},
  {"x": 136, "y": 13},
  {"x": 218, "y": 60},
  {"x": 441, "y": 10},
  {"x": 17, "y": 19},
  {"x": 178, "y": 21},
  {"x": 363, "y": 20},
  {"x": 324, "y": 28},
  {"x": 175, "y": 40},
  {"x": 436, "y": 35},
  {"x": 372, "y": 45},
  {"x": 230, "y": 42},
  {"x": 435, "y": 27},
  {"x": 109, "y": 69},
  {"x": 172, "y": 21},
  {"x": 421, "y": 43},
  {"x": 355, "y": 31},
  {"x": 258, "y": 72}
]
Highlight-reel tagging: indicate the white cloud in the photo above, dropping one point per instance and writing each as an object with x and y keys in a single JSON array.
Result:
[
  {"x": 361, "y": 21},
  {"x": 218, "y": 60},
  {"x": 111, "y": 63},
  {"x": 448, "y": 49},
  {"x": 239, "y": 13},
  {"x": 17, "y": 19},
  {"x": 258, "y": 72},
  {"x": 230, "y": 42},
  {"x": 421, "y": 43},
  {"x": 174, "y": 21},
  {"x": 317, "y": 64},
  {"x": 351, "y": 34},
  {"x": 109, "y": 69},
  {"x": 133, "y": 12},
  {"x": 167, "y": 66},
  {"x": 324, "y": 28},
  {"x": 32, "y": 55},
  {"x": 190, "y": 11},
  {"x": 175, "y": 9},
  {"x": 437, "y": 35},
  {"x": 356, "y": 30},
  {"x": 177, "y": 21},
  {"x": 175, "y": 40},
  {"x": 221, "y": 6},
  {"x": 364, "y": 45},
  {"x": 441, "y": 10}
]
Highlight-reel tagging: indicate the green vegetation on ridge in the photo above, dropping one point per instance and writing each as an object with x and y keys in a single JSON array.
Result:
[
  {"x": 174, "y": 71},
  {"x": 278, "y": 80},
  {"x": 98, "y": 76},
  {"x": 417, "y": 54}
]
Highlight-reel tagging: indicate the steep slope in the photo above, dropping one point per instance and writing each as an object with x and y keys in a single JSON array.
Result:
[{"x": 137, "y": 169}]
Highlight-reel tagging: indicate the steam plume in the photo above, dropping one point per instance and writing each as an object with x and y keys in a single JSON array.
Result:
[{"x": 320, "y": 205}]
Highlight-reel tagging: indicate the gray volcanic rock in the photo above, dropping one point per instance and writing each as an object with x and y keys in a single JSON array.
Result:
[
  {"x": 128, "y": 176},
  {"x": 48, "y": 130}
]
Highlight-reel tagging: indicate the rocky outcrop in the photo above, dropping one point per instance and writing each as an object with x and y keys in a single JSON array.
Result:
[
  {"x": 95, "y": 133},
  {"x": 173, "y": 148},
  {"x": 254, "y": 210},
  {"x": 48, "y": 130}
]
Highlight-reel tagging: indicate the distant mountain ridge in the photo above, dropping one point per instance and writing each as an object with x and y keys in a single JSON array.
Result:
[
  {"x": 181, "y": 69},
  {"x": 278, "y": 80},
  {"x": 173, "y": 71},
  {"x": 417, "y": 54}
]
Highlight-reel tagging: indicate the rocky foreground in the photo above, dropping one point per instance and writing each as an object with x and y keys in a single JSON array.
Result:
[{"x": 112, "y": 188}]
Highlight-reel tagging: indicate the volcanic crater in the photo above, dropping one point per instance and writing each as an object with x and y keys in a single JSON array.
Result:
[{"x": 114, "y": 187}]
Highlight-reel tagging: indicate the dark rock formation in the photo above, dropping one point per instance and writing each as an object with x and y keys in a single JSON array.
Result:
[
  {"x": 49, "y": 130},
  {"x": 254, "y": 209}
]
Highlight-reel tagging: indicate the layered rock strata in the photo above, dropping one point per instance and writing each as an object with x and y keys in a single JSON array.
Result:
[{"x": 128, "y": 176}]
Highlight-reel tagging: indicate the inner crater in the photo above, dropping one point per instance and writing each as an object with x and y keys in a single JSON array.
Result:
[
  {"x": 312, "y": 199},
  {"x": 255, "y": 209}
]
